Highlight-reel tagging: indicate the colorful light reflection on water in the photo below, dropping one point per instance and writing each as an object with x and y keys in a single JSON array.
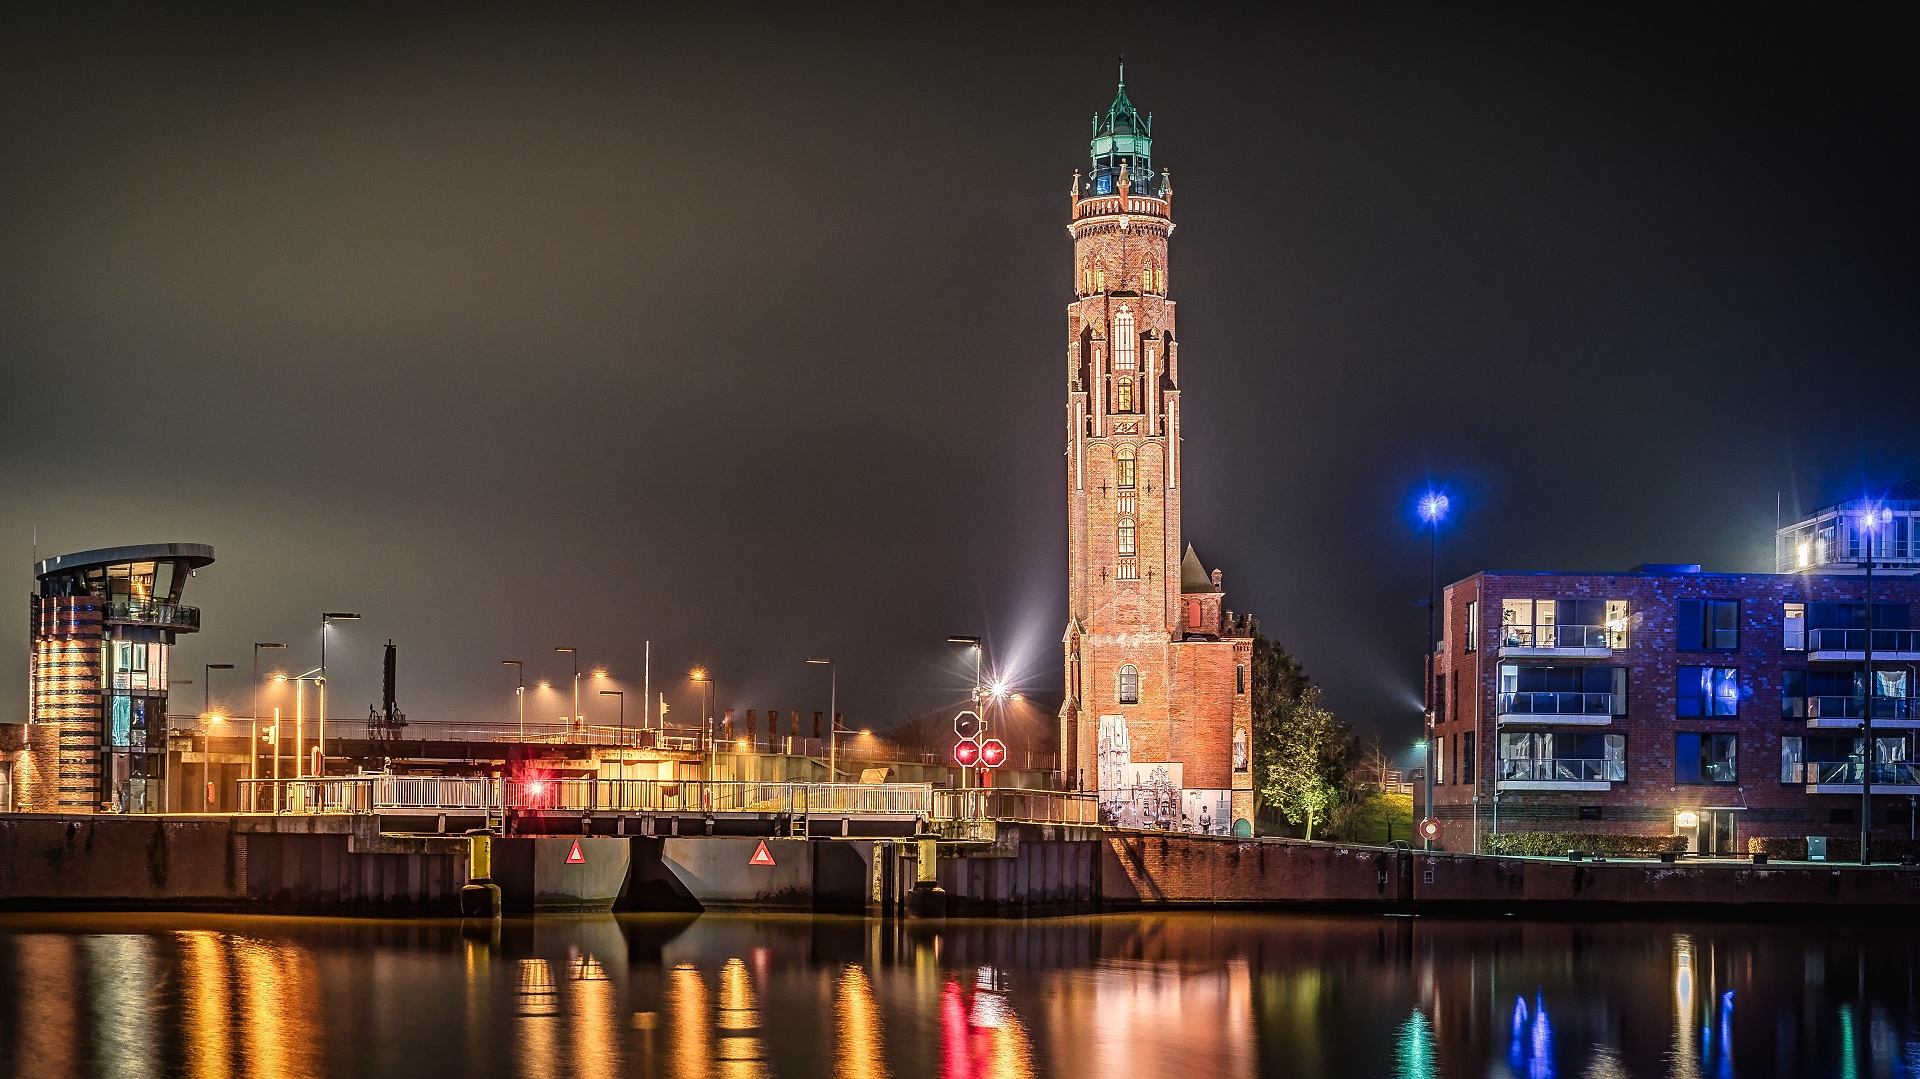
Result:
[{"x": 1184, "y": 996}]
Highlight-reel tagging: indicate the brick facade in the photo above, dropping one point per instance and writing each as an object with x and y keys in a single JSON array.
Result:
[
  {"x": 1652, "y": 798},
  {"x": 1157, "y": 671}
]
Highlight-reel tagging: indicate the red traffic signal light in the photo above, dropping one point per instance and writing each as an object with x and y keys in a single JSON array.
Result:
[
  {"x": 966, "y": 753},
  {"x": 993, "y": 753}
]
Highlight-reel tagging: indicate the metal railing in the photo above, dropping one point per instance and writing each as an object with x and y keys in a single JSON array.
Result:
[
  {"x": 1845, "y": 773},
  {"x": 1561, "y": 770},
  {"x": 368, "y": 794},
  {"x": 152, "y": 612},
  {"x": 1855, "y": 640},
  {"x": 1560, "y": 636},
  {"x": 1849, "y": 708},
  {"x": 1016, "y": 804},
  {"x": 1555, "y": 704}
]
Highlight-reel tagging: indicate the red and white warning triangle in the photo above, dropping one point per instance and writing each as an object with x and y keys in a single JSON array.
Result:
[
  {"x": 761, "y": 855},
  {"x": 576, "y": 856}
]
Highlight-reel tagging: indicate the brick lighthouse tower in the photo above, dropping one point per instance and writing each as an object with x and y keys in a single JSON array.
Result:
[{"x": 1158, "y": 712}]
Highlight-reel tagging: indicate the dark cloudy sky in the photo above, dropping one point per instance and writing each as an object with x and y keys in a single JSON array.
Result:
[{"x": 740, "y": 329}]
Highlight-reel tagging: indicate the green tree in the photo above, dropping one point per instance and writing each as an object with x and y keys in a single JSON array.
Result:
[
  {"x": 1308, "y": 776},
  {"x": 1278, "y": 682}
]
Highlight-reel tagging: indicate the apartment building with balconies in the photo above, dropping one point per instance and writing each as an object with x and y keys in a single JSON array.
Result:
[
  {"x": 1835, "y": 539},
  {"x": 1662, "y": 700}
]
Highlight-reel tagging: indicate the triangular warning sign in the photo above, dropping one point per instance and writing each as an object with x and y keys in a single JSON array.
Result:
[
  {"x": 575, "y": 856},
  {"x": 761, "y": 856}
]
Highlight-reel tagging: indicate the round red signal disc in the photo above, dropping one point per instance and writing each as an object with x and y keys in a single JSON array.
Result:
[
  {"x": 1430, "y": 828},
  {"x": 966, "y": 754},
  {"x": 993, "y": 753}
]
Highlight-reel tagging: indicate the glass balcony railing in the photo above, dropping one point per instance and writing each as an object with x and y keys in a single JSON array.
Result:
[
  {"x": 1512, "y": 636},
  {"x": 152, "y": 612},
  {"x": 1855, "y": 640},
  {"x": 1847, "y": 773},
  {"x": 1848, "y": 708},
  {"x": 1556, "y": 704},
  {"x": 1561, "y": 770}
]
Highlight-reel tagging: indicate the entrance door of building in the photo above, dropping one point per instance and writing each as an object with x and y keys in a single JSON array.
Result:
[{"x": 1716, "y": 835}]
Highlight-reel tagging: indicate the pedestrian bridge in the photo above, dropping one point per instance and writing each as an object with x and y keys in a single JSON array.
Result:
[{"x": 439, "y": 804}]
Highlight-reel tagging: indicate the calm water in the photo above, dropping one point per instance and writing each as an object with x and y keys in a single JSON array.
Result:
[{"x": 722, "y": 997}]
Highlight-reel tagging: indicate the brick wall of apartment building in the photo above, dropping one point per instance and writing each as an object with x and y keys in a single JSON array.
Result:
[{"x": 1648, "y": 800}]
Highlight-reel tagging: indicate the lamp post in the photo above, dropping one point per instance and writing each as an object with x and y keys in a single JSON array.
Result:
[
  {"x": 299, "y": 719},
  {"x": 206, "y": 736},
  {"x": 1868, "y": 521},
  {"x": 166, "y": 775},
  {"x": 700, "y": 675},
  {"x": 253, "y": 733},
  {"x": 519, "y": 691},
  {"x": 833, "y": 716},
  {"x": 326, "y": 620},
  {"x": 1433, "y": 508},
  {"x": 623, "y": 710},
  {"x": 975, "y": 643},
  {"x": 575, "y": 653}
]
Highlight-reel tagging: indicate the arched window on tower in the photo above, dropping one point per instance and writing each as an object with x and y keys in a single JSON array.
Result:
[
  {"x": 1125, "y": 536},
  {"x": 1129, "y": 684},
  {"x": 1123, "y": 340},
  {"x": 1126, "y": 462},
  {"x": 1123, "y": 395}
]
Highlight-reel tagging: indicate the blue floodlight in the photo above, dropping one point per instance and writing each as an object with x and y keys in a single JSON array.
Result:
[{"x": 1433, "y": 506}]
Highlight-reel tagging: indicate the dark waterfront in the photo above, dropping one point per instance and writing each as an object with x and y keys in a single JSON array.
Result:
[{"x": 730, "y": 997}]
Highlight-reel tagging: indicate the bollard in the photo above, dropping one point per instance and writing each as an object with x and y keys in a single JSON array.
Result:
[
  {"x": 480, "y": 896},
  {"x": 928, "y": 900}
]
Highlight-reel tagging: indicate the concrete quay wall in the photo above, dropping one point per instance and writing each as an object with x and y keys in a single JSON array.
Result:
[{"x": 1148, "y": 869}]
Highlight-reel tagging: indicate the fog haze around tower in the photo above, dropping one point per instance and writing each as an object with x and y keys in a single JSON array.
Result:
[{"x": 738, "y": 330}]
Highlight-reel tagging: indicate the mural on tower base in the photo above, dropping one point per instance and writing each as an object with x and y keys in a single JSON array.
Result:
[{"x": 1158, "y": 671}]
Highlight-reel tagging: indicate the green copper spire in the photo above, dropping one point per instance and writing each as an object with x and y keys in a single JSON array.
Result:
[{"x": 1122, "y": 137}]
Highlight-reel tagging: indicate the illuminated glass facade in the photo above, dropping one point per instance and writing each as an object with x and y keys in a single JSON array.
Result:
[{"x": 102, "y": 626}]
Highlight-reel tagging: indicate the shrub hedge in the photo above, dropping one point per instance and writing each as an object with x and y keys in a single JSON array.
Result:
[
  {"x": 1557, "y": 844},
  {"x": 1839, "y": 848}
]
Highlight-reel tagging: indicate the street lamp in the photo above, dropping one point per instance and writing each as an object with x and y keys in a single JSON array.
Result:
[
  {"x": 519, "y": 691},
  {"x": 326, "y": 620},
  {"x": 700, "y": 675},
  {"x": 299, "y": 719},
  {"x": 206, "y": 709},
  {"x": 833, "y": 717},
  {"x": 974, "y": 643},
  {"x": 575, "y": 653},
  {"x": 623, "y": 710},
  {"x": 1433, "y": 509},
  {"x": 1868, "y": 522},
  {"x": 253, "y": 735}
]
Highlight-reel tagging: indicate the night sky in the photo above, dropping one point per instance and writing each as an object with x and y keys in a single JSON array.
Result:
[{"x": 742, "y": 331}]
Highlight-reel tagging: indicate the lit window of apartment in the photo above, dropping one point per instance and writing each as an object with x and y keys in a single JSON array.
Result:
[
  {"x": 1472, "y": 643},
  {"x": 1793, "y": 620},
  {"x": 1706, "y": 758},
  {"x": 1707, "y": 691},
  {"x": 1562, "y": 757},
  {"x": 1707, "y": 625},
  {"x": 1563, "y": 623}
]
